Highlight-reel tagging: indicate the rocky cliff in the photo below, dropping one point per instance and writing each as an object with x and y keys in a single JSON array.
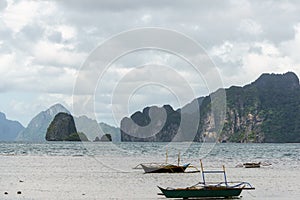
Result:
[
  {"x": 137, "y": 128},
  {"x": 63, "y": 128},
  {"x": 104, "y": 138},
  {"x": 9, "y": 129},
  {"x": 267, "y": 110}
]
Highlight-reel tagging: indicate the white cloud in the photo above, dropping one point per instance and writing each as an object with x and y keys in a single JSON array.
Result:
[
  {"x": 43, "y": 43},
  {"x": 146, "y": 18},
  {"x": 251, "y": 27},
  {"x": 6, "y": 60},
  {"x": 270, "y": 60},
  {"x": 68, "y": 32},
  {"x": 62, "y": 55},
  {"x": 249, "y": 64},
  {"x": 291, "y": 48},
  {"x": 19, "y": 76},
  {"x": 19, "y": 14},
  {"x": 230, "y": 51}
]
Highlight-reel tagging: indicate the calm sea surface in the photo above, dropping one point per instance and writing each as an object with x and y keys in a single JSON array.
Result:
[{"x": 60, "y": 170}]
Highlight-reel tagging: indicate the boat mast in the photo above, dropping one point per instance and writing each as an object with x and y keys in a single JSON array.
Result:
[
  {"x": 166, "y": 155},
  {"x": 178, "y": 160},
  {"x": 225, "y": 178},
  {"x": 202, "y": 171}
]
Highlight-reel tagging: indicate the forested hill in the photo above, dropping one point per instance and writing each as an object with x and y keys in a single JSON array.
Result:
[{"x": 267, "y": 110}]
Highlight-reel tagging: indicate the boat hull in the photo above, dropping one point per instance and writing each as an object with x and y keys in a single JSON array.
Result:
[
  {"x": 203, "y": 192},
  {"x": 164, "y": 169},
  {"x": 251, "y": 165}
]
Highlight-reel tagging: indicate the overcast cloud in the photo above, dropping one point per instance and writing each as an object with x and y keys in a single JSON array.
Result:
[{"x": 44, "y": 43}]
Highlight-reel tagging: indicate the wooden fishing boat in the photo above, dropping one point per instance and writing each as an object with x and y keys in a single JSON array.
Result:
[
  {"x": 203, "y": 189},
  {"x": 252, "y": 165},
  {"x": 164, "y": 168}
]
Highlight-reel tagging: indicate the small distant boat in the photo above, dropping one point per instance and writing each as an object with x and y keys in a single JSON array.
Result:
[
  {"x": 203, "y": 189},
  {"x": 164, "y": 168},
  {"x": 252, "y": 165}
]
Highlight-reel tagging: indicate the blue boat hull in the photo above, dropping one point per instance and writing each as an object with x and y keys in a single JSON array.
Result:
[{"x": 203, "y": 192}]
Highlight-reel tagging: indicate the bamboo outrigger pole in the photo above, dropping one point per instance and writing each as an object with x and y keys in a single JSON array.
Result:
[{"x": 213, "y": 171}]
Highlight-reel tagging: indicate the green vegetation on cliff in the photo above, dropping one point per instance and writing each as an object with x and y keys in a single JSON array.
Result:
[
  {"x": 104, "y": 138},
  {"x": 63, "y": 128},
  {"x": 267, "y": 110},
  {"x": 79, "y": 136}
]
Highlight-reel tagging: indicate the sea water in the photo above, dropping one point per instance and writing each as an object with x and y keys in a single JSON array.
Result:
[{"x": 103, "y": 170}]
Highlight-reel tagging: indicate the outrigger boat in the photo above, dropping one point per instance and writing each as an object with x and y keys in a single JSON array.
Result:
[
  {"x": 164, "y": 167},
  {"x": 203, "y": 189}
]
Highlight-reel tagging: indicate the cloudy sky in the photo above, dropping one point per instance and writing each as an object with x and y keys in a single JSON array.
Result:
[{"x": 45, "y": 44}]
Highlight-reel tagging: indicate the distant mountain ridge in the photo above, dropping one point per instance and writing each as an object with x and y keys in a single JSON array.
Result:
[
  {"x": 267, "y": 110},
  {"x": 88, "y": 126},
  {"x": 92, "y": 129},
  {"x": 114, "y": 132},
  {"x": 9, "y": 129},
  {"x": 37, "y": 127}
]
